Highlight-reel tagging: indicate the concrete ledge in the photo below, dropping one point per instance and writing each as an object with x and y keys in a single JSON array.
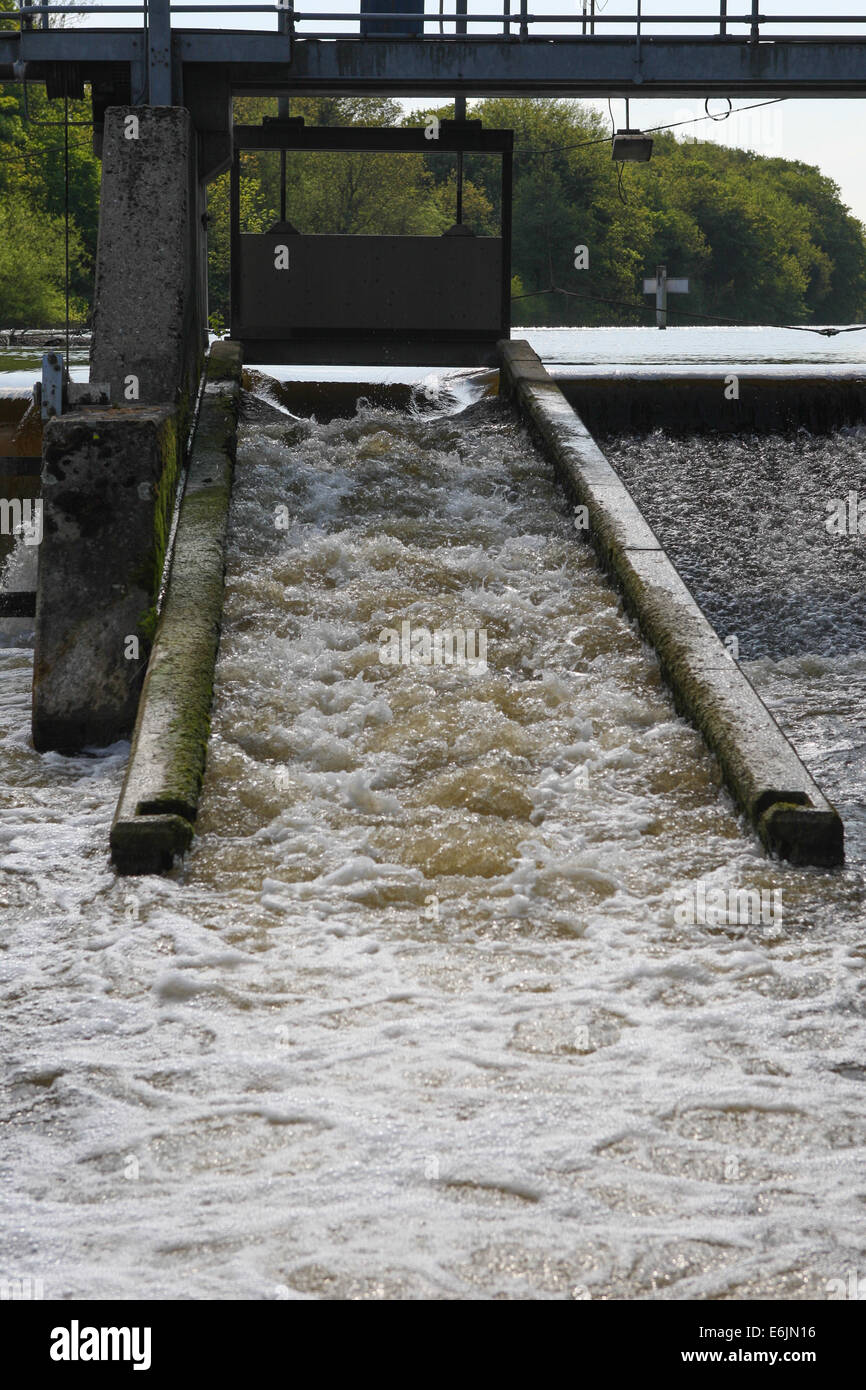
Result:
[
  {"x": 149, "y": 844},
  {"x": 768, "y": 780},
  {"x": 159, "y": 801}
]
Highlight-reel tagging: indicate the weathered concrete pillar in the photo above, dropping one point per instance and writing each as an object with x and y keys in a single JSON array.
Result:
[
  {"x": 149, "y": 315},
  {"x": 109, "y": 479},
  {"x": 109, "y": 476}
]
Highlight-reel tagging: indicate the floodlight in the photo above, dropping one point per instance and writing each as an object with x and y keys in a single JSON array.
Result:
[{"x": 632, "y": 147}]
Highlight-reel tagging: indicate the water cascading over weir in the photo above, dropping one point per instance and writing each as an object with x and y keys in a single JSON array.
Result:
[
  {"x": 123, "y": 651},
  {"x": 111, "y": 472}
]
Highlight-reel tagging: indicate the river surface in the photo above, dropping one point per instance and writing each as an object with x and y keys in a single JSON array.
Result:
[{"x": 425, "y": 1013}]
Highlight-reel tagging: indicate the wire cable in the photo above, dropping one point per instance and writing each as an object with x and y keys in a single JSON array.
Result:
[
  {"x": 653, "y": 130},
  {"x": 66, "y": 217}
]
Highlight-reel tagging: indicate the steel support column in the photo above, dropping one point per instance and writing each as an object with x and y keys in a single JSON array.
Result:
[{"x": 159, "y": 65}]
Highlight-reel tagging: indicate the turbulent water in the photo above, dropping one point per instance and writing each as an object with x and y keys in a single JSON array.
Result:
[
  {"x": 751, "y": 524},
  {"x": 422, "y": 1015}
]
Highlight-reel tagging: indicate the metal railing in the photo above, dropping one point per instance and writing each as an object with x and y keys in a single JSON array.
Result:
[{"x": 735, "y": 20}]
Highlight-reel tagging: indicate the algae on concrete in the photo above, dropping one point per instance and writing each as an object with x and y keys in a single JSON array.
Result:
[{"x": 169, "y": 749}]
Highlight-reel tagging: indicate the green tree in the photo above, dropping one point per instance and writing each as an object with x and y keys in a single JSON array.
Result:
[
  {"x": 762, "y": 240},
  {"x": 33, "y": 195},
  {"x": 31, "y": 246}
]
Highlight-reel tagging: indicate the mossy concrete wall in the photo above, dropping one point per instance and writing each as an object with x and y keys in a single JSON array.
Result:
[
  {"x": 768, "y": 780},
  {"x": 109, "y": 479},
  {"x": 149, "y": 313},
  {"x": 159, "y": 802}
]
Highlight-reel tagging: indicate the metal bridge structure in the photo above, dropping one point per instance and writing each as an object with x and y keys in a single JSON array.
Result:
[{"x": 555, "y": 48}]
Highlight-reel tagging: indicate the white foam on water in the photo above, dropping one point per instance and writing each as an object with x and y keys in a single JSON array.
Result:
[{"x": 420, "y": 1017}]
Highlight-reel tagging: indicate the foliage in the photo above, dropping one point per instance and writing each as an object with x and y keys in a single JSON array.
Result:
[
  {"x": 31, "y": 248},
  {"x": 762, "y": 240},
  {"x": 32, "y": 204}
]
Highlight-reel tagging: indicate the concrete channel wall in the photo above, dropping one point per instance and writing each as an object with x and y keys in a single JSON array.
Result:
[
  {"x": 159, "y": 801},
  {"x": 762, "y": 770}
]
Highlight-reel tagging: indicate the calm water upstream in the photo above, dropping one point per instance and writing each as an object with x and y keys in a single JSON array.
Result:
[{"x": 423, "y": 1015}]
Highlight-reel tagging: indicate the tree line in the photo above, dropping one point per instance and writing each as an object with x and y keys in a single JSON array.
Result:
[{"x": 762, "y": 240}]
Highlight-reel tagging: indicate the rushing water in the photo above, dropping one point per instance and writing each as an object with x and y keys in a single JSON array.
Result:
[
  {"x": 750, "y": 524},
  {"x": 421, "y": 1015}
]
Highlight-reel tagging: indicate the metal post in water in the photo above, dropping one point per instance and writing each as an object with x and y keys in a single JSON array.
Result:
[
  {"x": 662, "y": 296},
  {"x": 661, "y": 287}
]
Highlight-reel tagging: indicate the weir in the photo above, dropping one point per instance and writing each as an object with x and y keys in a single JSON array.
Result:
[
  {"x": 416, "y": 300},
  {"x": 716, "y": 401},
  {"x": 127, "y": 624},
  {"x": 504, "y": 952}
]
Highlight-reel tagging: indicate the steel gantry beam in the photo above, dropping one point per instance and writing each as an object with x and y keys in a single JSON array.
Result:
[
  {"x": 560, "y": 65},
  {"x": 565, "y": 66}
]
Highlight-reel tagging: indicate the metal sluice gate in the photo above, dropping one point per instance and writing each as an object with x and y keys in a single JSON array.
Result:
[{"x": 410, "y": 300}]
